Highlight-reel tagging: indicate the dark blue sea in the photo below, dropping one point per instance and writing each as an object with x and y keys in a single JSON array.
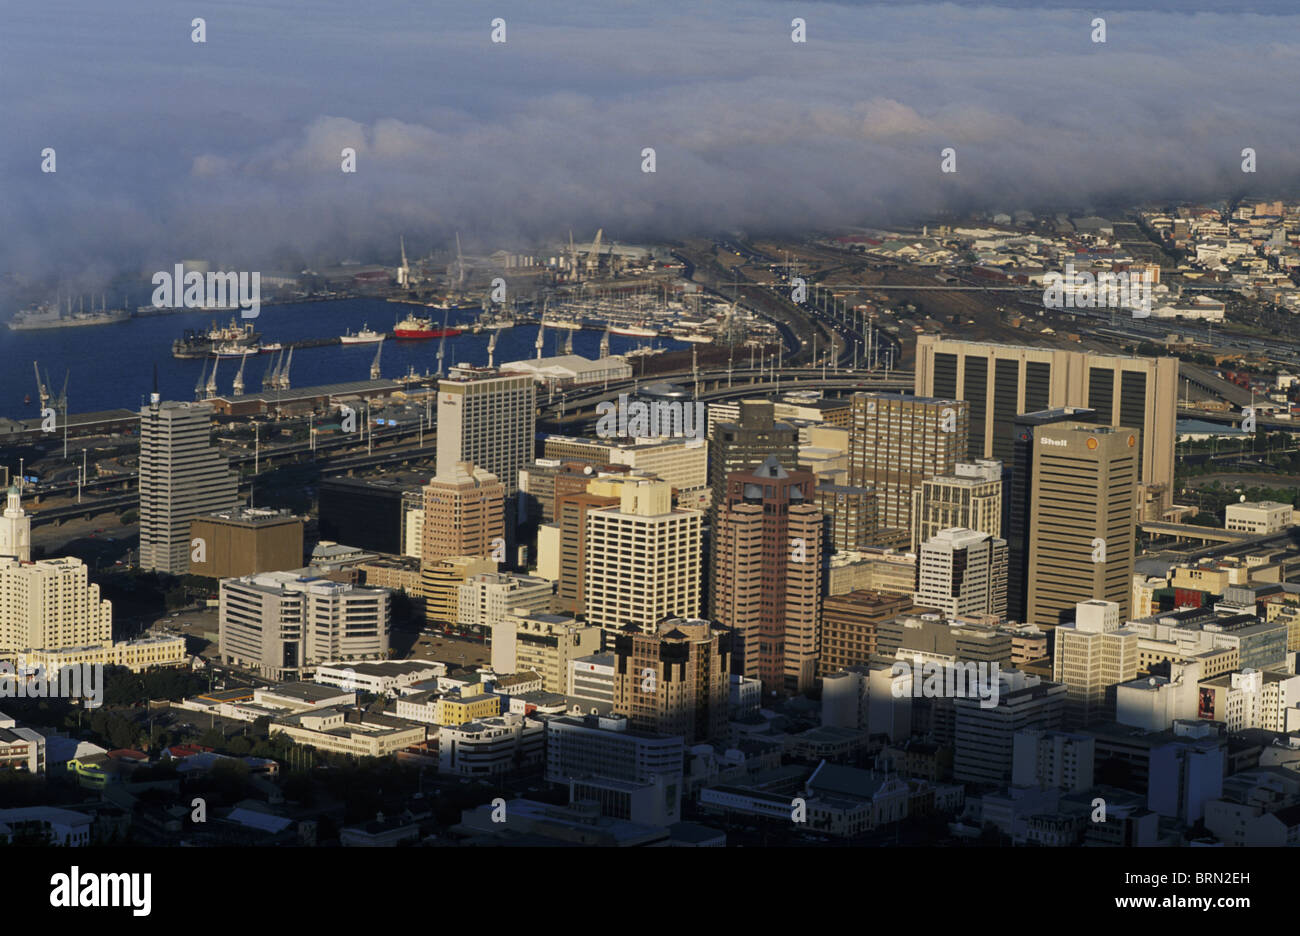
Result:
[{"x": 111, "y": 366}]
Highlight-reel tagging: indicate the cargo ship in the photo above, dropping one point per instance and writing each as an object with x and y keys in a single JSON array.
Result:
[
  {"x": 201, "y": 344},
  {"x": 418, "y": 328},
  {"x": 47, "y": 315}
]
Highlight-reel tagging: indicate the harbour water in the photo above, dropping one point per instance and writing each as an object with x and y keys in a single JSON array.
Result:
[{"x": 112, "y": 365}]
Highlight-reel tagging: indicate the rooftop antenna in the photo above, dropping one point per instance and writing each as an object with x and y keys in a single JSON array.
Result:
[
  {"x": 155, "y": 396},
  {"x": 374, "y": 365},
  {"x": 202, "y": 381},
  {"x": 492, "y": 345}
]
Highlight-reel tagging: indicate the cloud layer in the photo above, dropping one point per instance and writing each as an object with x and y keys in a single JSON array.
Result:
[{"x": 230, "y": 150}]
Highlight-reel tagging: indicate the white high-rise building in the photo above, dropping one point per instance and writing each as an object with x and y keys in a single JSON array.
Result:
[
  {"x": 1093, "y": 656},
  {"x": 642, "y": 559},
  {"x": 490, "y": 421},
  {"x": 182, "y": 478},
  {"x": 16, "y": 528},
  {"x": 50, "y": 604},
  {"x": 962, "y": 572},
  {"x": 280, "y": 623}
]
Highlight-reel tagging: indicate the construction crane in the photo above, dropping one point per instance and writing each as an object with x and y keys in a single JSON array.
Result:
[
  {"x": 42, "y": 388},
  {"x": 272, "y": 369},
  {"x": 442, "y": 343},
  {"x": 212, "y": 380},
  {"x": 239, "y": 376},
  {"x": 282, "y": 377},
  {"x": 593, "y": 254},
  {"x": 460, "y": 267}
]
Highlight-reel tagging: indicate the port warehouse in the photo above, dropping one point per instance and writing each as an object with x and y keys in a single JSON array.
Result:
[
  {"x": 103, "y": 422},
  {"x": 304, "y": 400},
  {"x": 289, "y": 402}
]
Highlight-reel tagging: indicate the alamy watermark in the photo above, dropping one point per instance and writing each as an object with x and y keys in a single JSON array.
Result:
[
  {"x": 1084, "y": 290},
  {"x": 218, "y": 291},
  {"x": 77, "y": 681},
  {"x": 947, "y": 680},
  {"x": 656, "y": 420}
]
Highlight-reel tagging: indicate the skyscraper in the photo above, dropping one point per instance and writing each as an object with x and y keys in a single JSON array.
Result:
[
  {"x": 1083, "y": 513},
  {"x": 1093, "y": 656},
  {"x": 962, "y": 572},
  {"x": 642, "y": 559},
  {"x": 740, "y": 446},
  {"x": 464, "y": 515},
  {"x": 1000, "y": 381},
  {"x": 674, "y": 678},
  {"x": 897, "y": 442},
  {"x": 769, "y": 549},
  {"x": 182, "y": 477},
  {"x": 490, "y": 421},
  {"x": 15, "y": 528},
  {"x": 971, "y": 497},
  {"x": 1019, "y": 505}
]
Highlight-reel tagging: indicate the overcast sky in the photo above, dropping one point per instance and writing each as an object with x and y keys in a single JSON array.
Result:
[{"x": 230, "y": 150}]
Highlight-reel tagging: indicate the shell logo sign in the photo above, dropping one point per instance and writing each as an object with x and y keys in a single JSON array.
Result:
[
  {"x": 1132, "y": 441},
  {"x": 1092, "y": 442}
]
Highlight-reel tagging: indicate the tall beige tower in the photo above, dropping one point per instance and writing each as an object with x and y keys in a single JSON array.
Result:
[
  {"x": 897, "y": 442},
  {"x": 182, "y": 478},
  {"x": 1093, "y": 655},
  {"x": 464, "y": 515},
  {"x": 15, "y": 528},
  {"x": 50, "y": 604},
  {"x": 490, "y": 421},
  {"x": 1001, "y": 381},
  {"x": 641, "y": 559},
  {"x": 1083, "y": 516}
]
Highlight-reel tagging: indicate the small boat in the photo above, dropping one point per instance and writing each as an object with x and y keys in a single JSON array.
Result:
[{"x": 273, "y": 346}]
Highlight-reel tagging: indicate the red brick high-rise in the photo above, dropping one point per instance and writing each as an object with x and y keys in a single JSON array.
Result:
[{"x": 768, "y": 573}]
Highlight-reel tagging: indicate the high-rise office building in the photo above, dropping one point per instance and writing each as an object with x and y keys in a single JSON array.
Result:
[
  {"x": 15, "y": 528},
  {"x": 768, "y": 572},
  {"x": 1093, "y": 656},
  {"x": 50, "y": 604},
  {"x": 962, "y": 572},
  {"x": 490, "y": 421},
  {"x": 246, "y": 541},
  {"x": 742, "y": 445},
  {"x": 999, "y": 382},
  {"x": 852, "y": 516},
  {"x": 899, "y": 442},
  {"x": 1082, "y": 518},
  {"x": 464, "y": 514},
  {"x": 1019, "y": 504},
  {"x": 642, "y": 559},
  {"x": 182, "y": 477},
  {"x": 850, "y": 624},
  {"x": 571, "y": 564},
  {"x": 984, "y": 736},
  {"x": 674, "y": 678},
  {"x": 971, "y": 498},
  {"x": 280, "y": 622}
]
